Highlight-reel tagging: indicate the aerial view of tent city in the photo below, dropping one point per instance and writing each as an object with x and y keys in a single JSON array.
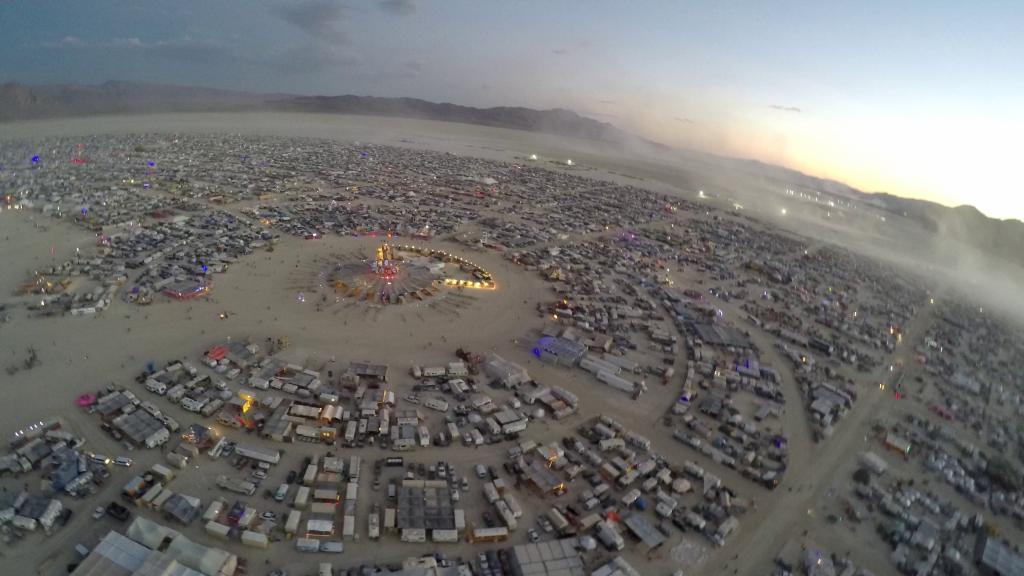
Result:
[{"x": 423, "y": 288}]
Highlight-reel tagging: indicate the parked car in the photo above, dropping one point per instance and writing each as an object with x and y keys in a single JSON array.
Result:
[
  {"x": 118, "y": 511},
  {"x": 100, "y": 459}
]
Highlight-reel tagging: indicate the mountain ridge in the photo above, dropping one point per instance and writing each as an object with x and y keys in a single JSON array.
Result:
[
  {"x": 22, "y": 102},
  {"x": 27, "y": 102}
]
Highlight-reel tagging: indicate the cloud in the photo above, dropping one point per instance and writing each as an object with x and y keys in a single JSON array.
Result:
[
  {"x": 785, "y": 108},
  {"x": 307, "y": 57},
  {"x": 684, "y": 120},
  {"x": 575, "y": 47},
  {"x": 327, "y": 44},
  {"x": 606, "y": 101},
  {"x": 414, "y": 66},
  {"x": 319, "y": 19},
  {"x": 128, "y": 43},
  {"x": 185, "y": 47},
  {"x": 65, "y": 42},
  {"x": 398, "y": 7}
]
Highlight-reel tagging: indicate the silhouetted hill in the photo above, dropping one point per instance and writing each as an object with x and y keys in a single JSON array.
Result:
[
  {"x": 1003, "y": 238},
  {"x": 558, "y": 121},
  {"x": 22, "y": 102}
]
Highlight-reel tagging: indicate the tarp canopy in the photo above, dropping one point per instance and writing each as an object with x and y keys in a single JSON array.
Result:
[
  {"x": 149, "y": 533},
  {"x": 217, "y": 352},
  {"x": 86, "y": 400},
  {"x": 196, "y": 556}
]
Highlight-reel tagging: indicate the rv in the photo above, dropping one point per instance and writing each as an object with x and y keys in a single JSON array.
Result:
[{"x": 156, "y": 387}]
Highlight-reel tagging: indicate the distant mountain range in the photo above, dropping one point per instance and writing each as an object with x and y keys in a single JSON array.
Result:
[
  {"x": 1003, "y": 238},
  {"x": 22, "y": 102}
]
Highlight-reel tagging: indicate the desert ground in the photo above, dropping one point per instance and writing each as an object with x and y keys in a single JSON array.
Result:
[{"x": 261, "y": 295}]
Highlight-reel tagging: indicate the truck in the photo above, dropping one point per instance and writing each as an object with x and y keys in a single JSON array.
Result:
[
  {"x": 693, "y": 469},
  {"x": 492, "y": 426},
  {"x": 350, "y": 431},
  {"x": 268, "y": 456},
  {"x": 496, "y": 534},
  {"x": 506, "y": 515},
  {"x": 444, "y": 536},
  {"x": 373, "y": 529},
  {"x": 630, "y": 497},
  {"x": 218, "y": 530},
  {"x": 491, "y": 493},
  {"x": 414, "y": 535},
  {"x": 238, "y": 486},
  {"x": 291, "y": 525},
  {"x": 348, "y": 526},
  {"x": 557, "y": 519},
  {"x": 170, "y": 423},
  {"x": 874, "y": 463},
  {"x": 309, "y": 476},
  {"x": 255, "y": 539},
  {"x": 211, "y": 407},
  {"x": 213, "y": 510},
  {"x": 609, "y": 537},
  {"x": 437, "y": 404},
  {"x": 332, "y": 546},
  {"x": 627, "y": 478},
  {"x": 513, "y": 505},
  {"x": 478, "y": 438},
  {"x": 150, "y": 408},
  {"x": 301, "y": 497}
]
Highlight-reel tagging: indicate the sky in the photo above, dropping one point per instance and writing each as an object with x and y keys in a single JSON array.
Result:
[{"x": 916, "y": 98}]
